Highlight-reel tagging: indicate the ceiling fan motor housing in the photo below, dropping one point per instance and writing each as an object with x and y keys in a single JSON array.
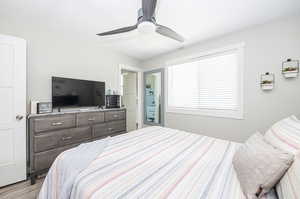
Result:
[
  {"x": 146, "y": 23},
  {"x": 142, "y": 19},
  {"x": 145, "y": 26}
]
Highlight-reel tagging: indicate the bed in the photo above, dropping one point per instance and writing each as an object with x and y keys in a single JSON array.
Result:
[{"x": 153, "y": 162}]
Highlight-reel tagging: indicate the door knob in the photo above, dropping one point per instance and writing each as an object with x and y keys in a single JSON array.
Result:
[{"x": 19, "y": 117}]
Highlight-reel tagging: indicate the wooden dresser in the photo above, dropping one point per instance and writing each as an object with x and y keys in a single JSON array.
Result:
[{"x": 51, "y": 134}]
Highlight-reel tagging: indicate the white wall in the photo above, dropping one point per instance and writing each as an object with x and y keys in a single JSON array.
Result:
[
  {"x": 266, "y": 46},
  {"x": 51, "y": 53}
]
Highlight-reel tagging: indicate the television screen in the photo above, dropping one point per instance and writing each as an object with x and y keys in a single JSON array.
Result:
[{"x": 77, "y": 93}]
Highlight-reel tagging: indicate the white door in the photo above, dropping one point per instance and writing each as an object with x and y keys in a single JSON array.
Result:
[
  {"x": 12, "y": 110},
  {"x": 130, "y": 99}
]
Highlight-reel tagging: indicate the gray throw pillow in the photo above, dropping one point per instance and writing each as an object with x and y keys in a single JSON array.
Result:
[{"x": 259, "y": 166}]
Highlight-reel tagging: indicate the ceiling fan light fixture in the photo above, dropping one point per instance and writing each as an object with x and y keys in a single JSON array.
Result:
[
  {"x": 146, "y": 27},
  {"x": 146, "y": 24}
]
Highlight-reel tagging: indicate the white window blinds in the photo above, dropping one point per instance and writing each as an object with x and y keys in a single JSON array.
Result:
[{"x": 210, "y": 82}]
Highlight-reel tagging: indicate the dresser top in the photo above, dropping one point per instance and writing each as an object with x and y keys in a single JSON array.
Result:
[{"x": 74, "y": 112}]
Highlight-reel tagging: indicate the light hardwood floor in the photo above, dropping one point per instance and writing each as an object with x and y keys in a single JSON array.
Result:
[{"x": 22, "y": 190}]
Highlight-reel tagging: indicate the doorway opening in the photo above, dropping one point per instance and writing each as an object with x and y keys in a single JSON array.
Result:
[
  {"x": 154, "y": 97},
  {"x": 130, "y": 87}
]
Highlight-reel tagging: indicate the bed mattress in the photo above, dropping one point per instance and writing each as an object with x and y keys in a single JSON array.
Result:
[{"x": 156, "y": 162}]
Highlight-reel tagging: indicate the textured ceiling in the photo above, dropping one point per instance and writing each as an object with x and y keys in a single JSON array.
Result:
[{"x": 196, "y": 20}]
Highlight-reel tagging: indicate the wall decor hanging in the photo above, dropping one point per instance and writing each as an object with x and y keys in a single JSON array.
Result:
[
  {"x": 290, "y": 68},
  {"x": 267, "y": 81}
]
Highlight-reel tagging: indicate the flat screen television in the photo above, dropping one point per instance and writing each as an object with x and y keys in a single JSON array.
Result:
[{"x": 68, "y": 92}]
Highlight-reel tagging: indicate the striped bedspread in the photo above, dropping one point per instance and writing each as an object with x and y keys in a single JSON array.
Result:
[{"x": 158, "y": 162}]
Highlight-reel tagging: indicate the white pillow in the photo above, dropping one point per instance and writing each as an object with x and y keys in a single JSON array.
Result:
[
  {"x": 259, "y": 166},
  {"x": 285, "y": 135},
  {"x": 289, "y": 185}
]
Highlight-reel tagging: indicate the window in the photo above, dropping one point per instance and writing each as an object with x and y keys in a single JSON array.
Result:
[{"x": 208, "y": 85}]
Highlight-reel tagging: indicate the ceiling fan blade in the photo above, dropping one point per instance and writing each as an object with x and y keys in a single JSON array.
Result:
[
  {"x": 148, "y": 7},
  {"x": 118, "y": 31},
  {"x": 165, "y": 31}
]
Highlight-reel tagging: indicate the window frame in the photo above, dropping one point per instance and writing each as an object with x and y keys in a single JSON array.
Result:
[{"x": 234, "y": 114}]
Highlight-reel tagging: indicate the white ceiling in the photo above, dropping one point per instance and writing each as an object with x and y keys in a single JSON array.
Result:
[{"x": 196, "y": 20}]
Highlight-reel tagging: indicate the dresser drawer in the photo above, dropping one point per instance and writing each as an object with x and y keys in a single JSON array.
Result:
[
  {"x": 47, "y": 141},
  {"x": 100, "y": 130},
  {"x": 116, "y": 126},
  {"x": 107, "y": 129},
  {"x": 48, "y": 123},
  {"x": 76, "y": 135},
  {"x": 89, "y": 118},
  {"x": 45, "y": 159},
  {"x": 114, "y": 115}
]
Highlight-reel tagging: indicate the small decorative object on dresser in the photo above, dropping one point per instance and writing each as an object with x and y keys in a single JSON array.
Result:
[
  {"x": 50, "y": 134},
  {"x": 44, "y": 107},
  {"x": 113, "y": 101},
  {"x": 290, "y": 68},
  {"x": 267, "y": 81}
]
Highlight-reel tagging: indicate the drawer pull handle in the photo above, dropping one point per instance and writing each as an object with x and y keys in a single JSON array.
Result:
[
  {"x": 91, "y": 119},
  {"x": 66, "y": 138},
  {"x": 57, "y": 123},
  {"x": 115, "y": 116}
]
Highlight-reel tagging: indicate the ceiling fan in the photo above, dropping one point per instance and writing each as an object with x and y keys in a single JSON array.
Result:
[{"x": 147, "y": 23}]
